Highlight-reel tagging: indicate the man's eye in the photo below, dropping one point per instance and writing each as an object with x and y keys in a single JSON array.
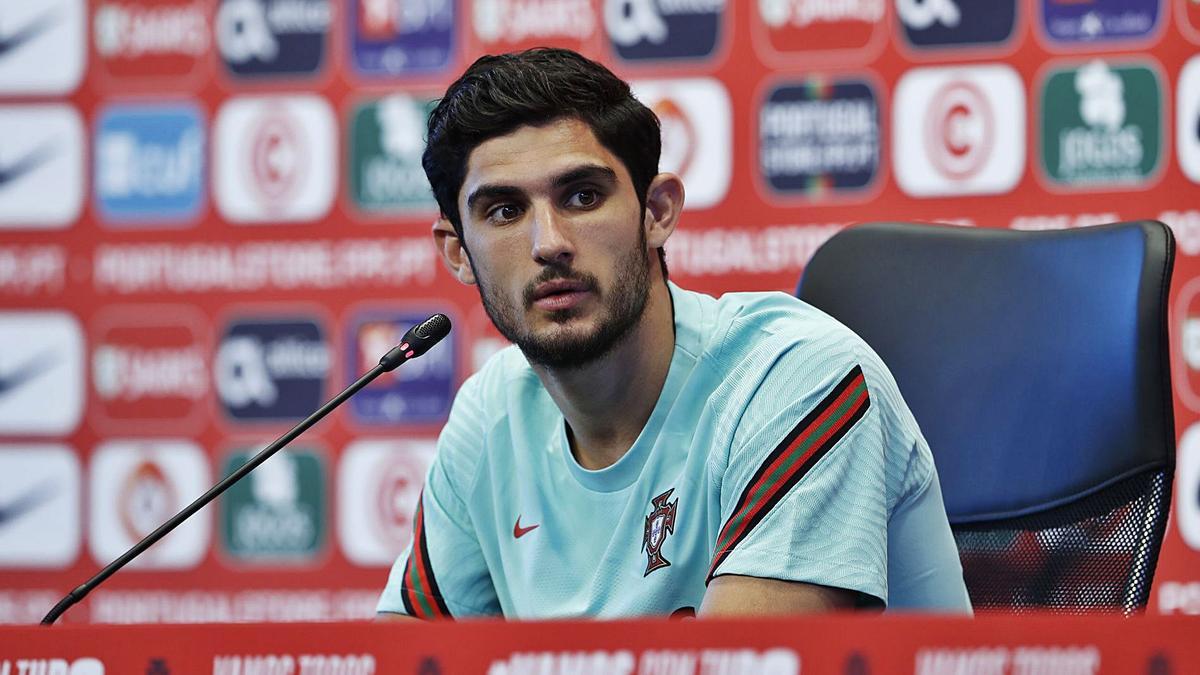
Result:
[
  {"x": 504, "y": 213},
  {"x": 584, "y": 198}
]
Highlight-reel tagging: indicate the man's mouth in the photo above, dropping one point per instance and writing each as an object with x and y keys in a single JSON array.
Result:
[{"x": 559, "y": 294}]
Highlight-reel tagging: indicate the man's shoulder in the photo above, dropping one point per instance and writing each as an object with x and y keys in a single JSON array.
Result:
[{"x": 754, "y": 325}]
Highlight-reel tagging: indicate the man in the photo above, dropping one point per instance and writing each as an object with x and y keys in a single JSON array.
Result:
[{"x": 644, "y": 450}]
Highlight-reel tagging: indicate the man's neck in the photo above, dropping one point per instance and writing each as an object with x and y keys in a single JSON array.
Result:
[{"x": 607, "y": 402}]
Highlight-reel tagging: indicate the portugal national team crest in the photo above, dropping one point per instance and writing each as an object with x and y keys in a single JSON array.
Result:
[{"x": 659, "y": 524}]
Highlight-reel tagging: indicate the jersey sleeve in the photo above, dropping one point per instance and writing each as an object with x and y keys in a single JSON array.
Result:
[
  {"x": 443, "y": 573},
  {"x": 802, "y": 493}
]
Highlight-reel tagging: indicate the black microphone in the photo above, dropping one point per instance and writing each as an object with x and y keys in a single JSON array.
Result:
[{"x": 415, "y": 342}]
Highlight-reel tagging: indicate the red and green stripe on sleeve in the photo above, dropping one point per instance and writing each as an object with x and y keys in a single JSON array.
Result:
[
  {"x": 422, "y": 598},
  {"x": 798, "y": 452}
]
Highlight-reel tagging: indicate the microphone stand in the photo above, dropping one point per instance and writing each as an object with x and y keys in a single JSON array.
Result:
[{"x": 416, "y": 342}]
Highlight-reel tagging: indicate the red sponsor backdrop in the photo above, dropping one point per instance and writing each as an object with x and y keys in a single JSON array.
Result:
[{"x": 245, "y": 225}]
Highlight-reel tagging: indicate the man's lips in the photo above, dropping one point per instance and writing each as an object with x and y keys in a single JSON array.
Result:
[{"x": 559, "y": 294}]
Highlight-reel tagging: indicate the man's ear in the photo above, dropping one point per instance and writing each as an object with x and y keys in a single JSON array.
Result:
[
  {"x": 664, "y": 203},
  {"x": 454, "y": 254}
]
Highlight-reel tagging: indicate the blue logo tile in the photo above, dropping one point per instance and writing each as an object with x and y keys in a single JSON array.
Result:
[
  {"x": 272, "y": 37},
  {"x": 272, "y": 370},
  {"x": 149, "y": 164},
  {"x": 648, "y": 29},
  {"x": 957, "y": 23},
  {"x": 419, "y": 391},
  {"x": 817, "y": 138},
  {"x": 401, "y": 37},
  {"x": 1082, "y": 21}
]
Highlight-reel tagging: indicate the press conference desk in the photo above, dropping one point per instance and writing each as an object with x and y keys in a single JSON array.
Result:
[{"x": 849, "y": 645}]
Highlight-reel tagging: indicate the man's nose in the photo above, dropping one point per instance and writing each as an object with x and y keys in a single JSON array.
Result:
[{"x": 551, "y": 245}]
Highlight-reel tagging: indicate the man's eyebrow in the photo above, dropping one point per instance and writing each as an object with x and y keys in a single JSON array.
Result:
[
  {"x": 594, "y": 172},
  {"x": 492, "y": 192}
]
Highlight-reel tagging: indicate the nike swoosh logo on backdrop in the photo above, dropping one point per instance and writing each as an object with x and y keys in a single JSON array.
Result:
[
  {"x": 519, "y": 531},
  {"x": 22, "y": 373},
  {"x": 32, "y": 160},
  {"x": 24, "y": 503},
  {"x": 10, "y": 41}
]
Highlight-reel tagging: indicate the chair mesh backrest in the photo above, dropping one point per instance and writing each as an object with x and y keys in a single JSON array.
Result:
[
  {"x": 1098, "y": 553},
  {"x": 1036, "y": 364}
]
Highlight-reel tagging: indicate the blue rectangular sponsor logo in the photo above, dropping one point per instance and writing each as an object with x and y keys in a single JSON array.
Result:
[
  {"x": 815, "y": 138},
  {"x": 272, "y": 370},
  {"x": 957, "y": 23},
  {"x": 272, "y": 37},
  {"x": 393, "y": 38},
  {"x": 1075, "y": 21},
  {"x": 149, "y": 164},
  {"x": 419, "y": 391},
  {"x": 653, "y": 29}
]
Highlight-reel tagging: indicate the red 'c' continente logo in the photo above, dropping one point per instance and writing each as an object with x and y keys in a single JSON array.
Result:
[{"x": 960, "y": 130}]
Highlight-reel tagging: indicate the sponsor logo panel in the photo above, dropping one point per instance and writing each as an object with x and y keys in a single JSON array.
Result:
[
  {"x": 40, "y": 514},
  {"x": 1071, "y": 22},
  {"x": 271, "y": 369},
  {"x": 158, "y": 39},
  {"x": 149, "y": 163},
  {"x": 41, "y": 373},
  {"x": 697, "y": 134},
  {"x": 135, "y": 486},
  {"x": 277, "y": 513},
  {"x": 1186, "y": 370},
  {"x": 387, "y": 137},
  {"x": 43, "y": 47},
  {"x": 1101, "y": 125},
  {"x": 420, "y": 391},
  {"x": 275, "y": 159},
  {"x": 41, "y": 166},
  {"x": 959, "y": 130},
  {"x": 1187, "y": 119},
  {"x": 150, "y": 367},
  {"x": 378, "y": 486},
  {"x": 1189, "y": 18},
  {"x": 512, "y": 25},
  {"x": 819, "y": 137},
  {"x": 1187, "y": 497},
  {"x": 802, "y": 27},
  {"x": 272, "y": 37},
  {"x": 641, "y": 30},
  {"x": 957, "y": 23},
  {"x": 394, "y": 38}
]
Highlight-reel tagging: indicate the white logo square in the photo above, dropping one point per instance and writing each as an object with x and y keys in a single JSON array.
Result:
[
  {"x": 41, "y": 373},
  {"x": 137, "y": 485},
  {"x": 379, "y": 483},
  {"x": 41, "y": 166},
  {"x": 276, "y": 159},
  {"x": 43, "y": 46},
  {"x": 959, "y": 130},
  {"x": 697, "y": 134},
  {"x": 40, "y": 515},
  {"x": 1187, "y": 119}
]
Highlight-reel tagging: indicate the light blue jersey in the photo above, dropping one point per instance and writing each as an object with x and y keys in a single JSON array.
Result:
[{"x": 778, "y": 448}]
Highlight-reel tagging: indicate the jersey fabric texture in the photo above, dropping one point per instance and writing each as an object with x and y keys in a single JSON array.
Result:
[{"x": 779, "y": 447}]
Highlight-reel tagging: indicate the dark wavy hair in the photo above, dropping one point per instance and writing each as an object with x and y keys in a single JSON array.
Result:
[{"x": 501, "y": 93}]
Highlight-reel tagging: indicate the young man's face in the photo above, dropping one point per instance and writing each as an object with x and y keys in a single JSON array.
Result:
[{"x": 555, "y": 237}]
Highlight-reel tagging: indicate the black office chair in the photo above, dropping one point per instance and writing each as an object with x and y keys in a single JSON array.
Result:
[{"x": 1036, "y": 364}]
